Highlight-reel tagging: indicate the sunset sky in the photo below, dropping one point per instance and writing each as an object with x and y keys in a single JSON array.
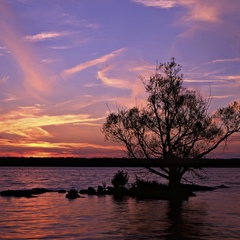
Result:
[{"x": 66, "y": 63}]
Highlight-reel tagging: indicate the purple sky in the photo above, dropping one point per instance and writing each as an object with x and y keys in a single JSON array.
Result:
[{"x": 64, "y": 63}]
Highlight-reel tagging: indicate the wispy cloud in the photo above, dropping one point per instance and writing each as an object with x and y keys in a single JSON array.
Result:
[
  {"x": 226, "y": 60},
  {"x": 204, "y": 11},
  {"x": 81, "y": 23},
  {"x": 9, "y": 98},
  {"x": 30, "y": 131},
  {"x": 59, "y": 149},
  {"x": 46, "y": 36},
  {"x": 34, "y": 74},
  {"x": 61, "y": 47},
  {"x": 91, "y": 63},
  {"x": 207, "y": 11},
  {"x": 232, "y": 77},
  {"x": 221, "y": 96},
  {"x": 50, "y": 61},
  {"x": 158, "y": 3},
  {"x": 110, "y": 81},
  {"x": 3, "y": 51},
  {"x": 30, "y": 122},
  {"x": 124, "y": 77},
  {"x": 207, "y": 81},
  {"x": 4, "y": 79}
]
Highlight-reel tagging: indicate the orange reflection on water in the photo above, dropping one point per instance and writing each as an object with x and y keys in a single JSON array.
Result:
[{"x": 51, "y": 216}]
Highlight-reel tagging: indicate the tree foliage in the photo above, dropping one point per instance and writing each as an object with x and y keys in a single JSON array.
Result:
[
  {"x": 120, "y": 179},
  {"x": 174, "y": 125}
]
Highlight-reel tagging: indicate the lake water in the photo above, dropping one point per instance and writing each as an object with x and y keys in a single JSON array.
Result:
[{"x": 210, "y": 215}]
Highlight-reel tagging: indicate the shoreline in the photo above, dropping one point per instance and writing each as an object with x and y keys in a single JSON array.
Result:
[{"x": 115, "y": 162}]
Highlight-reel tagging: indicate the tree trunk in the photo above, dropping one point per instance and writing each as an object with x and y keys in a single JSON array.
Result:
[
  {"x": 174, "y": 177},
  {"x": 176, "y": 191}
]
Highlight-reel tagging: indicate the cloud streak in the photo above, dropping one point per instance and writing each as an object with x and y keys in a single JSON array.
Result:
[
  {"x": 46, "y": 36},
  {"x": 226, "y": 60},
  {"x": 57, "y": 149},
  {"x": 24, "y": 123},
  {"x": 110, "y": 81},
  {"x": 82, "y": 66},
  {"x": 35, "y": 76},
  {"x": 4, "y": 79},
  {"x": 158, "y": 3}
]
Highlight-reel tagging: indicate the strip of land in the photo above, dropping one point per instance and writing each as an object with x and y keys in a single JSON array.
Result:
[{"x": 117, "y": 162}]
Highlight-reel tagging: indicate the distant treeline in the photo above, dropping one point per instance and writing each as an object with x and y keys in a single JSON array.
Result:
[{"x": 115, "y": 162}]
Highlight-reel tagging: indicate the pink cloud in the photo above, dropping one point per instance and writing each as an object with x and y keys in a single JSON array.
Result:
[
  {"x": 204, "y": 10},
  {"x": 35, "y": 76}
]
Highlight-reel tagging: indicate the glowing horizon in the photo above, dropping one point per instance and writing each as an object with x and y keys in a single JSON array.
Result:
[{"x": 64, "y": 64}]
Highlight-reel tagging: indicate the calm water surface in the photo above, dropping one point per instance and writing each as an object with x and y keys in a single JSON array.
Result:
[{"x": 210, "y": 215}]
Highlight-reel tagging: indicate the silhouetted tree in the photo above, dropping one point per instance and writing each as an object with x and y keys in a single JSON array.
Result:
[
  {"x": 120, "y": 179},
  {"x": 175, "y": 124}
]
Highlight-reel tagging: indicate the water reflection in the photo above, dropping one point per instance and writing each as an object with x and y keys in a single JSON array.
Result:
[
  {"x": 160, "y": 219},
  {"x": 52, "y": 216},
  {"x": 186, "y": 221},
  {"x": 212, "y": 215}
]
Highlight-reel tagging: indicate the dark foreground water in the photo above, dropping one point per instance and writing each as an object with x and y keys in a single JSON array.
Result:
[{"x": 210, "y": 215}]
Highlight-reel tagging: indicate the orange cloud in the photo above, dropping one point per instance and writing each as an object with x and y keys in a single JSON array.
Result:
[
  {"x": 28, "y": 131},
  {"x": 29, "y": 122},
  {"x": 27, "y": 148}
]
